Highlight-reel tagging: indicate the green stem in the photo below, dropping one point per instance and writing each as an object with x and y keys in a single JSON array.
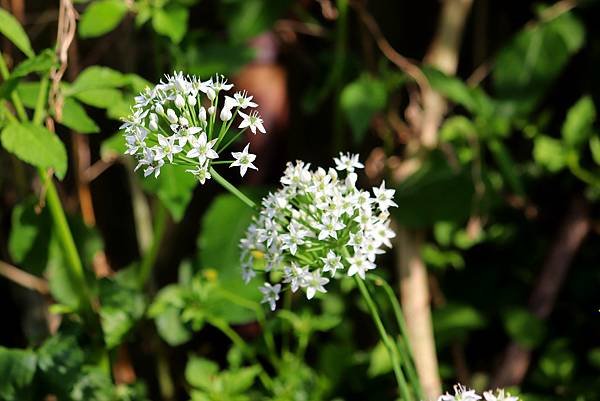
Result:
[
  {"x": 241, "y": 344},
  {"x": 40, "y": 109},
  {"x": 16, "y": 100},
  {"x": 404, "y": 342},
  {"x": 387, "y": 340},
  {"x": 231, "y": 188},
  {"x": 149, "y": 259}
]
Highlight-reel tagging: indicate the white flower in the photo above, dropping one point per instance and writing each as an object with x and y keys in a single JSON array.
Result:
[
  {"x": 500, "y": 396},
  {"x": 347, "y": 162},
  {"x": 332, "y": 262},
  {"x": 384, "y": 197},
  {"x": 253, "y": 121},
  {"x": 329, "y": 226},
  {"x": 240, "y": 99},
  {"x": 315, "y": 283},
  {"x": 167, "y": 148},
  {"x": 359, "y": 264},
  {"x": 243, "y": 160},
  {"x": 179, "y": 101},
  {"x": 225, "y": 114},
  {"x": 201, "y": 173},
  {"x": 248, "y": 272},
  {"x": 202, "y": 148},
  {"x": 461, "y": 393},
  {"x": 270, "y": 294},
  {"x": 296, "y": 276}
]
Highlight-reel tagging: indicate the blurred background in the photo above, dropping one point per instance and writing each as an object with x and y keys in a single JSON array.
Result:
[{"x": 481, "y": 114}]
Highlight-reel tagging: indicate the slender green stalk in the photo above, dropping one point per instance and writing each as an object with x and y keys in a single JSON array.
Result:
[
  {"x": 16, "y": 100},
  {"x": 231, "y": 188},
  {"x": 387, "y": 340},
  {"x": 40, "y": 109},
  {"x": 149, "y": 259},
  {"x": 404, "y": 342}
]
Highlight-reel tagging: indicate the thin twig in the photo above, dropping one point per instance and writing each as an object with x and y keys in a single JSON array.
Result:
[{"x": 23, "y": 278}]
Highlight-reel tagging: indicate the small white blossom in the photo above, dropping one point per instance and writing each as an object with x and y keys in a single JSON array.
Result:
[
  {"x": 243, "y": 160},
  {"x": 270, "y": 294},
  {"x": 332, "y": 263},
  {"x": 253, "y": 121},
  {"x": 461, "y": 393},
  {"x": 202, "y": 149},
  {"x": 315, "y": 283},
  {"x": 499, "y": 396},
  {"x": 347, "y": 162}
]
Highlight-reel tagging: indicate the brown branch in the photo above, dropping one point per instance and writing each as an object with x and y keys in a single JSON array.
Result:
[
  {"x": 403, "y": 63},
  {"x": 571, "y": 234},
  {"x": 23, "y": 278}
]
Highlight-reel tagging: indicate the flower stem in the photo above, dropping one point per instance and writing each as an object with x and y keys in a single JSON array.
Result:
[
  {"x": 149, "y": 259},
  {"x": 387, "y": 340},
  {"x": 404, "y": 342},
  {"x": 231, "y": 188}
]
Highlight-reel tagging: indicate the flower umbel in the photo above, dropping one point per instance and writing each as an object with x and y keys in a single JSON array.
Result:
[
  {"x": 319, "y": 223},
  {"x": 176, "y": 122}
]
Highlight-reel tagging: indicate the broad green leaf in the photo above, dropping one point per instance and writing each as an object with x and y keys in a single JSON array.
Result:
[
  {"x": 36, "y": 145},
  {"x": 240, "y": 380},
  {"x": 360, "y": 100},
  {"x": 529, "y": 64},
  {"x": 174, "y": 188},
  {"x": 171, "y": 21},
  {"x": 93, "y": 383},
  {"x": 13, "y": 31},
  {"x": 419, "y": 194},
  {"x": 453, "y": 322},
  {"x": 595, "y": 148},
  {"x": 30, "y": 236},
  {"x": 524, "y": 328},
  {"x": 101, "y": 98},
  {"x": 166, "y": 312},
  {"x": 28, "y": 92},
  {"x": 223, "y": 225},
  {"x": 100, "y": 17},
  {"x": 550, "y": 153},
  {"x": 75, "y": 117},
  {"x": 97, "y": 77},
  {"x": 578, "y": 125},
  {"x": 17, "y": 370},
  {"x": 200, "y": 373}
]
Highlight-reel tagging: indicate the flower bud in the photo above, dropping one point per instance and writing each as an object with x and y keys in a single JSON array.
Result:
[
  {"x": 211, "y": 110},
  {"x": 171, "y": 116},
  {"x": 211, "y": 94},
  {"x": 202, "y": 114},
  {"x": 179, "y": 101},
  {"x": 225, "y": 114},
  {"x": 191, "y": 100},
  {"x": 159, "y": 108}
]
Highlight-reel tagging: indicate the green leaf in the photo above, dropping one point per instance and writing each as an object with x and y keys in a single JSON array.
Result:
[
  {"x": 578, "y": 125},
  {"x": 223, "y": 225},
  {"x": 42, "y": 63},
  {"x": 13, "y": 31},
  {"x": 549, "y": 153},
  {"x": 507, "y": 166},
  {"x": 97, "y": 77},
  {"x": 113, "y": 147},
  {"x": 28, "y": 92},
  {"x": 453, "y": 322},
  {"x": 75, "y": 117},
  {"x": 101, "y": 16},
  {"x": 595, "y": 148},
  {"x": 35, "y": 145},
  {"x": 17, "y": 370},
  {"x": 558, "y": 362},
  {"x": 419, "y": 194},
  {"x": 360, "y": 100},
  {"x": 526, "y": 68},
  {"x": 473, "y": 99},
  {"x": 121, "y": 307},
  {"x": 101, "y": 98},
  {"x": 379, "y": 361},
  {"x": 166, "y": 312},
  {"x": 60, "y": 360},
  {"x": 240, "y": 380},
  {"x": 525, "y": 328},
  {"x": 30, "y": 236},
  {"x": 174, "y": 187},
  {"x": 200, "y": 373},
  {"x": 249, "y": 18},
  {"x": 171, "y": 21}
]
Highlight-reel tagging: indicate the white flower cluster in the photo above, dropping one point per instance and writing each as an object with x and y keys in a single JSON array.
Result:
[
  {"x": 176, "y": 122},
  {"x": 461, "y": 393},
  {"x": 317, "y": 224}
]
